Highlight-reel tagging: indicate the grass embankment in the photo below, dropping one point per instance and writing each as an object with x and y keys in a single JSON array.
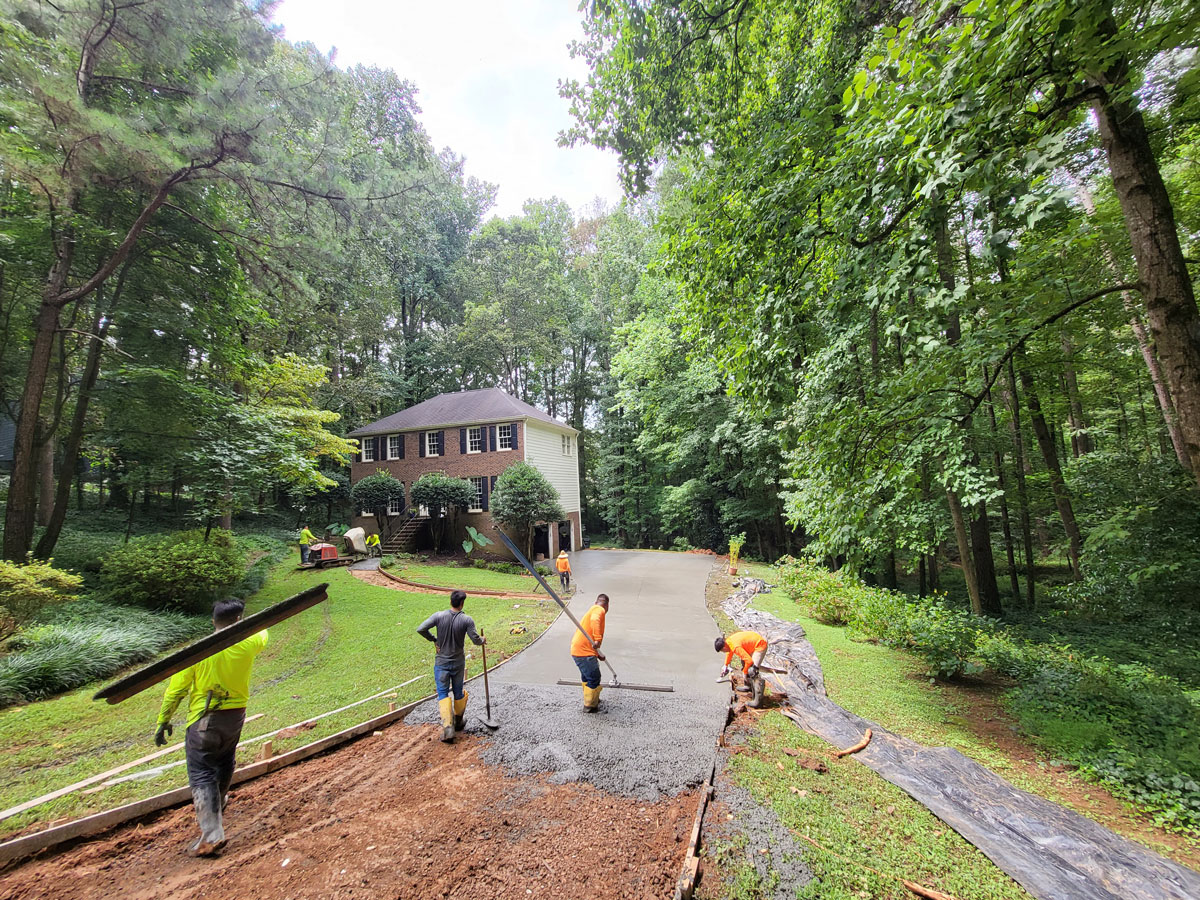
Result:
[
  {"x": 892, "y": 687},
  {"x": 856, "y": 814},
  {"x": 360, "y": 641}
]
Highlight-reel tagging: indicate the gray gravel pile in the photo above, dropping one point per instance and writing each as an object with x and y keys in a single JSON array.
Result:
[
  {"x": 782, "y": 871},
  {"x": 640, "y": 744}
]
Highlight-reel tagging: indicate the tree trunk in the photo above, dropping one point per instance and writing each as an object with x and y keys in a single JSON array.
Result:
[
  {"x": 1062, "y": 496},
  {"x": 45, "y": 480},
  {"x": 964, "y": 550},
  {"x": 1081, "y": 442},
  {"x": 1162, "y": 271},
  {"x": 19, "y": 512},
  {"x": 1006, "y": 528},
  {"x": 985, "y": 562},
  {"x": 1019, "y": 467}
]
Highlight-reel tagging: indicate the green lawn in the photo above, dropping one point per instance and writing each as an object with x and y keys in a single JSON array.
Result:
[
  {"x": 360, "y": 641},
  {"x": 855, "y": 813},
  {"x": 465, "y": 577}
]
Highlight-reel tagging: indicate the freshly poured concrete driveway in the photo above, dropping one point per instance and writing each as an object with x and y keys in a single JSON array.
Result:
[{"x": 658, "y": 630}]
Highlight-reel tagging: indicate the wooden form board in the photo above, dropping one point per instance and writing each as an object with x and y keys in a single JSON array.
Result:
[
  {"x": 150, "y": 675},
  {"x": 18, "y": 848}
]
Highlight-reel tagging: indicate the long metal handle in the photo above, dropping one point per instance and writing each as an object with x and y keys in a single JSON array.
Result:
[
  {"x": 534, "y": 572},
  {"x": 487, "y": 691}
]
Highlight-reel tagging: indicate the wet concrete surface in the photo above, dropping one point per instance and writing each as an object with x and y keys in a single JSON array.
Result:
[{"x": 641, "y": 744}]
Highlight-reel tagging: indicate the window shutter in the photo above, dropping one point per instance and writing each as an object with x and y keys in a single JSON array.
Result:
[
  {"x": 493, "y": 483},
  {"x": 380, "y": 448},
  {"x": 515, "y": 428},
  {"x": 441, "y": 443},
  {"x": 420, "y": 443},
  {"x": 462, "y": 441},
  {"x": 484, "y": 504},
  {"x": 403, "y": 441},
  {"x": 358, "y": 456},
  {"x": 493, "y": 441}
]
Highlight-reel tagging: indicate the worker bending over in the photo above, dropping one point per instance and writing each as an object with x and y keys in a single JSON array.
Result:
[
  {"x": 563, "y": 564},
  {"x": 217, "y": 689},
  {"x": 372, "y": 543},
  {"x": 588, "y": 657},
  {"x": 450, "y": 662},
  {"x": 751, "y": 647}
]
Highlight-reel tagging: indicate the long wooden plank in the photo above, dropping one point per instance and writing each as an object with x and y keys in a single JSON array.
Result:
[
  {"x": 18, "y": 848},
  {"x": 150, "y": 675},
  {"x": 71, "y": 788}
]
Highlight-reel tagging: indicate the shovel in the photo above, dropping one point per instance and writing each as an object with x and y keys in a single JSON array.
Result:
[{"x": 491, "y": 723}]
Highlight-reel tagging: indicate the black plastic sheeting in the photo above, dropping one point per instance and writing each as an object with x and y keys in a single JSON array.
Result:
[{"x": 1052, "y": 852}]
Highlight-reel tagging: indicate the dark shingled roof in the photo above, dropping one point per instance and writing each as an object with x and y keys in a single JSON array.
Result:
[{"x": 461, "y": 408}]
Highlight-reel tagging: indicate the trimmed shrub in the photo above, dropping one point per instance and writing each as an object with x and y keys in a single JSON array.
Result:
[
  {"x": 180, "y": 570},
  {"x": 26, "y": 590},
  {"x": 92, "y": 642},
  {"x": 374, "y": 491}
]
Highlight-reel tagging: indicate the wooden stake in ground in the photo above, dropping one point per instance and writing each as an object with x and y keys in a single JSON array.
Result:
[{"x": 919, "y": 889}]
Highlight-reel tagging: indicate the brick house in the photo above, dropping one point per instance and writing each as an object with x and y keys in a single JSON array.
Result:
[{"x": 474, "y": 435}]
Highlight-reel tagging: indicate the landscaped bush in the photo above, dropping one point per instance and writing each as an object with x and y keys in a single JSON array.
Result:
[
  {"x": 25, "y": 590},
  {"x": 181, "y": 570},
  {"x": 387, "y": 562},
  {"x": 89, "y": 642}
]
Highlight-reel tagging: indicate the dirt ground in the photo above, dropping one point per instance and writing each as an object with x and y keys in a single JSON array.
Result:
[{"x": 396, "y": 815}]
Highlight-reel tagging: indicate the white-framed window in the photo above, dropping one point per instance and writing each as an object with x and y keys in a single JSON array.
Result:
[
  {"x": 368, "y": 449},
  {"x": 396, "y": 506},
  {"x": 504, "y": 437},
  {"x": 562, "y": 439},
  {"x": 395, "y": 442},
  {"x": 477, "y": 503},
  {"x": 423, "y": 512},
  {"x": 475, "y": 439},
  {"x": 431, "y": 444},
  {"x": 367, "y": 512},
  {"x": 566, "y": 445}
]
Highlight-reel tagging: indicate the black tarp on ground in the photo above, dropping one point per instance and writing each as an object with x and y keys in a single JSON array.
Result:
[{"x": 1052, "y": 852}]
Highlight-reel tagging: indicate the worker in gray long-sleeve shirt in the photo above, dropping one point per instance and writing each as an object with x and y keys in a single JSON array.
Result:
[{"x": 449, "y": 665}]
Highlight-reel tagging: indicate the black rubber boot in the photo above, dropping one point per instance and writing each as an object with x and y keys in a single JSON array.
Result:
[{"x": 756, "y": 701}]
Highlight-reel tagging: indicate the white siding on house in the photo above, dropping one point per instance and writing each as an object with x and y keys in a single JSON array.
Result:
[{"x": 543, "y": 451}]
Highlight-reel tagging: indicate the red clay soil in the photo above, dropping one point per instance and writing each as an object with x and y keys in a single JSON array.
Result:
[{"x": 396, "y": 815}]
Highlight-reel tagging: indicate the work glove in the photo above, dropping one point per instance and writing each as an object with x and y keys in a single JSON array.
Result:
[
  {"x": 724, "y": 671},
  {"x": 752, "y": 672},
  {"x": 165, "y": 730}
]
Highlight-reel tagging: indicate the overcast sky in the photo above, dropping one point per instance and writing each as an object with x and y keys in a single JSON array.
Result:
[{"x": 487, "y": 73}]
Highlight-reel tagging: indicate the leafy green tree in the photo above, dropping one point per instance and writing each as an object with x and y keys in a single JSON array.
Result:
[
  {"x": 522, "y": 499},
  {"x": 375, "y": 492},
  {"x": 444, "y": 496}
]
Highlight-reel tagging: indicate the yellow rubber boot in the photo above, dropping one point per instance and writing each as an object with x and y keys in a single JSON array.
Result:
[
  {"x": 460, "y": 710},
  {"x": 446, "y": 708},
  {"x": 591, "y": 699}
]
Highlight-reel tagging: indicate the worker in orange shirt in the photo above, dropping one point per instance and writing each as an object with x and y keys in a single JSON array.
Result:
[
  {"x": 564, "y": 570},
  {"x": 587, "y": 654},
  {"x": 751, "y": 647}
]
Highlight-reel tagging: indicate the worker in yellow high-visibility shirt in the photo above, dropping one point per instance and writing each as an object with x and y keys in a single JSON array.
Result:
[
  {"x": 588, "y": 657},
  {"x": 217, "y": 690},
  {"x": 307, "y": 538},
  {"x": 751, "y": 648},
  {"x": 372, "y": 543}
]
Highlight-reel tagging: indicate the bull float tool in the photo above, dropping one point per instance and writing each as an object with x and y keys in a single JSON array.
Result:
[{"x": 665, "y": 688}]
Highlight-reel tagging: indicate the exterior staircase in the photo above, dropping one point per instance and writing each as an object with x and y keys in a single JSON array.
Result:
[{"x": 401, "y": 539}]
